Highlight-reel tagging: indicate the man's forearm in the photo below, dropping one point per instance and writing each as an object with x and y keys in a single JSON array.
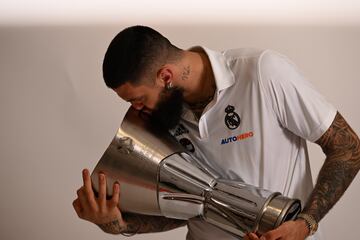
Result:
[
  {"x": 113, "y": 227},
  {"x": 137, "y": 223},
  {"x": 342, "y": 148}
]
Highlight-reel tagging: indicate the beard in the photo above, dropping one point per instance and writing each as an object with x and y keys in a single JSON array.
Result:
[{"x": 168, "y": 110}]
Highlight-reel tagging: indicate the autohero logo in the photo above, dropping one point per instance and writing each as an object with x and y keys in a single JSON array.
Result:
[{"x": 237, "y": 138}]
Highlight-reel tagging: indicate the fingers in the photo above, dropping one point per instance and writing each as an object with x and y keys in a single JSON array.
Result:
[
  {"x": 251, "y": 236},
  {"x": 97, "y": 209},
  {"x": 272, "y": 235},
  {"x": 88, "y": 191},
  {"x": 116, "y": 194},
  {"x": 77, "y": 207},
  {"x": 82, "y": 199},
  {"x": 102, "y": 191},
  {"x": 87, "y": 180},
  {"x": 246, "y": 237}
]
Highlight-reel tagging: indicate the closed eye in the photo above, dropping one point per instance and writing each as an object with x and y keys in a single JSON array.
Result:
[{"x": 135, "y": 100}]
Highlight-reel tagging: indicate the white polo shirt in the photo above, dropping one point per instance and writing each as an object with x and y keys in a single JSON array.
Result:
[{"x": 256, "y": 127}]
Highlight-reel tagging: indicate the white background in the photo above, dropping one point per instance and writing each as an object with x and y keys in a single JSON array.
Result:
[{"x": 57, "y": 116}]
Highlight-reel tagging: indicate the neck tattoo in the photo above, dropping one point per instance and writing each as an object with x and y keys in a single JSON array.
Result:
[{"x": 185, "y": 73}]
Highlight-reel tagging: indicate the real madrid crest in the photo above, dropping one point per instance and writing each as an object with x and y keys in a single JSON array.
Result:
[{"x": 232, "y": 119}]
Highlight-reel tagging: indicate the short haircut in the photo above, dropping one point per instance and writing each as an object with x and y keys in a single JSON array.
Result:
[{"x": 134, "y": 53}]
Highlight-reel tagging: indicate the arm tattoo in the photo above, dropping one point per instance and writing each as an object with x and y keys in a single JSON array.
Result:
[
  {"x": 137, "y": 223},
  {"x": 113, "y": 227},
  {"x": 342, "y": 149}
]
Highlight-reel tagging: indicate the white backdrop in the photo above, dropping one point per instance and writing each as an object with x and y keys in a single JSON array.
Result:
[{"x": 58, "y": 117}]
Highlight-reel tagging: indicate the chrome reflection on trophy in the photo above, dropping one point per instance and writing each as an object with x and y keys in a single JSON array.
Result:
[{"x": 158, "y": 177}]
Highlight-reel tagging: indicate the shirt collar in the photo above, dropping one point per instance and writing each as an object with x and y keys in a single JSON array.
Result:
[{"x": 224, "y": 77}]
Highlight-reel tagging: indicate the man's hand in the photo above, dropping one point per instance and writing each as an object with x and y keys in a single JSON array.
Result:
[
  {"x": 105, "y": 213},
  {"x": 290, "y": 230}
]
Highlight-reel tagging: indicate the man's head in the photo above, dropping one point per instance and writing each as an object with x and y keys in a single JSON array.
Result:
[
  {"x": 140, "y": 66},
  {"x": 135, "y": 54}
]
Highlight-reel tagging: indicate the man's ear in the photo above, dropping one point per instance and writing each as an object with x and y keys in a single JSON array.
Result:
[{"x": 164, "y": 76}]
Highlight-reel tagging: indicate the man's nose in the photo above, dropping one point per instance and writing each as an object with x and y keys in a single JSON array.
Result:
[{"x": 137, "y": 106}]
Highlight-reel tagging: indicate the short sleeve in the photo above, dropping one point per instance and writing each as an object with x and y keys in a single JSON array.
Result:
[{"x": 297, "y": 105}]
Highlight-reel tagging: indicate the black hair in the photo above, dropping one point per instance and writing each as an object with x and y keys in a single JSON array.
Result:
[{"x": 135, "y": 52}]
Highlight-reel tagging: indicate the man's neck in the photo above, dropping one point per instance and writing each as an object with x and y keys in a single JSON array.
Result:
[{"x": 200, "y": 86}]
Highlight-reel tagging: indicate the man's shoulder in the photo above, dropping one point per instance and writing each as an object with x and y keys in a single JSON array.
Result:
[
  {"x": 263, "y": 60},
  {"x": 255, "y": 54},
  {"x": 244, "y": 53}
]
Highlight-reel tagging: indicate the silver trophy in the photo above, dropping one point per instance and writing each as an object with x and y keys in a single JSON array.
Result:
[{"x": 158, "y": 177}]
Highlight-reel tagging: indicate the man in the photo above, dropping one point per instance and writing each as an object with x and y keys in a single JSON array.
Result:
[{"x": 246, "y": 113}]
